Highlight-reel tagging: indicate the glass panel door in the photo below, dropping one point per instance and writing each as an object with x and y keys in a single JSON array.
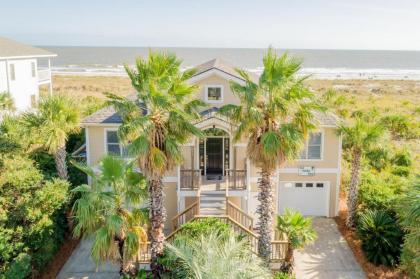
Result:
[{"x": 214, "y": 152}]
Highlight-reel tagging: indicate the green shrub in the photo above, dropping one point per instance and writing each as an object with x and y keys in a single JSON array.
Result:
[
  {"x": 381, "y": 237},
  {"x": 378, "y": 158},
  {"x": 401, "y": 171},
  {"x": 20, "y": 268},
  {"x": 399, "y": 126},
  {"x": 204, "y": 227},
  {"x": 283, "y": 275},
  {"x": 32, "y": 217},
  {"x": 402, "y": 158},
  {"x": 377, "y": 197},
  {"x": 380, "y": 191}
]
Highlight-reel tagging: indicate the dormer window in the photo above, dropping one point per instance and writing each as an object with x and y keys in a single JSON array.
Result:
[{"x": 214, "y": 94}]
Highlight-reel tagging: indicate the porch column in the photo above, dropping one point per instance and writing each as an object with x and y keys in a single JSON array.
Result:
[
  {"x": 49, "y": 69},
  {"x": 248, "y": 184}
]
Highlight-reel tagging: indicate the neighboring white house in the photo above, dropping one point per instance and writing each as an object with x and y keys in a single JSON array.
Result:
[{"x": 20, "y": 74}]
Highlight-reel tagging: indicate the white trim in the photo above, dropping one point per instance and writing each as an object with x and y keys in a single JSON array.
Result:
[
  {"x": 327, "y": 187},
  {"x": 87, "y": 152},
  {"x": 106, "y": 130},
  {"x": 206, "y": 93},
  {"x": 317, "y": 170},
  {"x": 306, "y": 148},
  {"x": 254, "y": 179},
  {"x": 178, "y": 179},
  {"x": 338, "y": 182},
  {"x": 27, "y": 56},
  {"x": 217, "y": 72},
  {"x": 106, "y": 141},
  {"x": 7, "y": 76},
  {"x": 87, "y": 146}
]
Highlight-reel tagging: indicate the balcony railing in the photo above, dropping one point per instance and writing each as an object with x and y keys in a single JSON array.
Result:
[
  {"x": 44, "y": 76},
  {"x": 236, "y": 179},
  {"x": 190, "y": 179}
]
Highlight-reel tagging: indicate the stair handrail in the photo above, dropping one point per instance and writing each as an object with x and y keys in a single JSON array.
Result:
[
  {"x": 278, "y": 247},
  {"x": 249, "y": 220},
  {"x": 251, "y": 235},
  {"x": 194, "y": 206}
]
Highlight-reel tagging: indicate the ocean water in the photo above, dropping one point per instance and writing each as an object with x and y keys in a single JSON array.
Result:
[{"x": 370, "y": 64}]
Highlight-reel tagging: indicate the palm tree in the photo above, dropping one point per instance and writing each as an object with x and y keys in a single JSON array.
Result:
[
  {"x": 156, "y": 125},
  {"x": 54, "y": 120},
  {"x": 409, "y": 211},
  {"x": 359, "y": 137},
  {"x": 298, "y": 231},
  {"x": 110, "y": 210},
  {"x": 214, "y": 256},
  {"x": 6, "y": 102},
  {"x": 275, "y": 115}
]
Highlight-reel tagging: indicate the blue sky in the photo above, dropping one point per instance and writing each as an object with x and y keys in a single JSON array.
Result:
[{"x": 322, "y": 24}]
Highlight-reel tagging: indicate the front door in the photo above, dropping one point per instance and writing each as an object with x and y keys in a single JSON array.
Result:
[{"x": 214, "y": 158}]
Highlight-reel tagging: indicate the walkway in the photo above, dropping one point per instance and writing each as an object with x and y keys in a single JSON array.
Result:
[
  {"x": 329, "y": 257},
  {"x": 81, "y": 266}
]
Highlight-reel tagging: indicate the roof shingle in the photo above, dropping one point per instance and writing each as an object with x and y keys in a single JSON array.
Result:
[
  {"x": 108, "y": 115},
  {"x": 223, "y": 66},
  {"x": 12, "y": 49}
]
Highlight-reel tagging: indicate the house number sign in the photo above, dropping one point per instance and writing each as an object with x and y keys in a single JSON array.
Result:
[{"x": 306, "y": 171}]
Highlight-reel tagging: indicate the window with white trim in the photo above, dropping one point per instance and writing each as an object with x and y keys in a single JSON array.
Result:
[
  {"x": 313, "y": 147},
  {"x": 12, "y": 72},
  {"x": 113, "y": 146},
  {"x": 214, "y": 93},
  {"x": 33, "y": 70}
]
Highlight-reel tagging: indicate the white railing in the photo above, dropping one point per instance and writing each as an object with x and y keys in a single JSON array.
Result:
[{"x": 44, "y": 76}]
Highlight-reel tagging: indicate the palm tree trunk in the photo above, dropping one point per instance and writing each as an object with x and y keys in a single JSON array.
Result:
[
  {"x": 157, "y": 221},
  {"x": 353, "y": 194},
  {"x": 289, "y": 259},
  {"x": 266, "y": 212},
  {"x": 121, "y": 252},
  {"x": 60, "y": 162}
]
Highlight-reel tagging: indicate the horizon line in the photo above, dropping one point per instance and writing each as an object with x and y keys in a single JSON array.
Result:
[{"x": 245, "y": 48}]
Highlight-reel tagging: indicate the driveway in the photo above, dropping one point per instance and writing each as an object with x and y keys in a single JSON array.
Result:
[
  {"x": 329, "y": 257},
  {"x": 81, "y": 266}
]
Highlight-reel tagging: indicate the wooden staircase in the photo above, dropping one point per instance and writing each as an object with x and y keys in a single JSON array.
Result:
[
  {"x": 212, "y": 203},
  {"x": 217, "y": 205}
]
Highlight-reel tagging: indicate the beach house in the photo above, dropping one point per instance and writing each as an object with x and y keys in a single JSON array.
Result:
[
  {"x": 23, "y": 69},
  {"x": 216, "y": 177}
]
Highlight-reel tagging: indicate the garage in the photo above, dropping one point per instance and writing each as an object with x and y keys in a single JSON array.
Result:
[{"x": 310, "y": 198}]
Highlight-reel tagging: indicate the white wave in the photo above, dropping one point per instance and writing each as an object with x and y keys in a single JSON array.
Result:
[{"x": 314, "y": 73}]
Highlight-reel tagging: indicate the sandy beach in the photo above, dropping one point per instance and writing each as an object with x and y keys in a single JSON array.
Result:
[{"x": 398, "y": 95}]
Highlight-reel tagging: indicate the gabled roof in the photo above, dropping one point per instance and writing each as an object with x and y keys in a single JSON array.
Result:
[
  {"x": 12, "y": 49},
  {"x": 222, "y": 66},
  {"x": 108, "y": 115}
]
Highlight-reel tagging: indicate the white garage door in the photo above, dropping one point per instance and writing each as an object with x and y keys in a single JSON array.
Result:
[{"x": 309, "y": 198}]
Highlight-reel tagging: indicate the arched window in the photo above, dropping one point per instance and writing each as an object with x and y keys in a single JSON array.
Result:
[{"x": 215, "y": 132}]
